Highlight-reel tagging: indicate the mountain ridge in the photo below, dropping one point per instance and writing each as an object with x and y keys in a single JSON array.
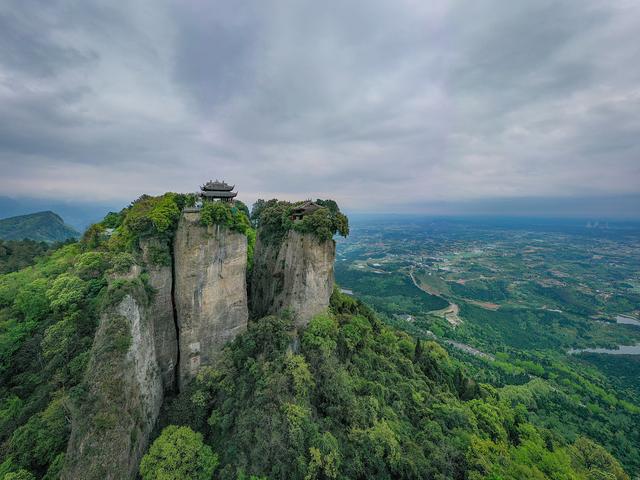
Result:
[{"x": 45, "y": 226}]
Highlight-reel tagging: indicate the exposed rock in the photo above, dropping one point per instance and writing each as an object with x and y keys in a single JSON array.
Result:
[
  {"x": 157, "y": 263},
  {"x": 123, "y": 394},
  {"x": 296, "y": 275},
  {"x": 210, "y": 291}
]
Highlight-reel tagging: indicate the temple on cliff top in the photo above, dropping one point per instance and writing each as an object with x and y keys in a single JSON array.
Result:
[
  {"x": 217, "y": 191},
  {"x": 306, "y": 208}
]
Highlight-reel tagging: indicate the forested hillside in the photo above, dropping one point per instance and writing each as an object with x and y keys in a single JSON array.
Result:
[
  {"x": 17, "y": 254},
  {"x": 41, "y": 226},
  {"x": 355, "y": 399}
]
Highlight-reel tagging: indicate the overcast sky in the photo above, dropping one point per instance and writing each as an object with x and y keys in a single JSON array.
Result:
[{"x": 382, "y": 105}]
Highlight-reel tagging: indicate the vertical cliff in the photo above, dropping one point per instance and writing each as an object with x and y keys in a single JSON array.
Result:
[
  {"x": 157, "y": 261},
  {"x": 295, "y": 274},
  {"x": 210, "y": 291},
  {"x": 171, "y": 314},
  {"x": 122, "y": 392}
]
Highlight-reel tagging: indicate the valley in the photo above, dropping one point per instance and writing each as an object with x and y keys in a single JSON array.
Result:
[{"x": 519, "y": 300}]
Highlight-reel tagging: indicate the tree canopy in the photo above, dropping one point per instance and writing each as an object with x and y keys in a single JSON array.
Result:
[
  {"x": 273, "y": 217},
  {"x": 178, "y": 454}
]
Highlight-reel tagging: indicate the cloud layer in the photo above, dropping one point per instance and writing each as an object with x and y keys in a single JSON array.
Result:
[{"x": 378, "y": 104}]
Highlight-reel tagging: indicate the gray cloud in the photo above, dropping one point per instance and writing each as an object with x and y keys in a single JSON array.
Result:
[{"x": 378, "y": 104}]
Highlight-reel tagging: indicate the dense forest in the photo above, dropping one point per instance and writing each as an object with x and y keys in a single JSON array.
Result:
[
  {"x": 347, "y": 398},
  {"x": 355, "y": 399},
  {"x": 18, "y": 254}
]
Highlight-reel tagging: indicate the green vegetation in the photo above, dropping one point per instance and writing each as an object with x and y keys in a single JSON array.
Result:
[
  {"x": 273, "y": 217},
  {"x": 48, "y": 316},
  {"x": 389, "y": 293},
  {"x": 483, "y": 290},
  {"x": 147, "y": 217},
  {"x": 18, "y": 254},
  {"x": 359, "y": 400},
  {"x": 178, "y": 454},
  {"x": 48, "y": 320},
  {"x": 526, "y": 296},
  {"x": 225, "y": 214},
  {"x": 41, "y": 227},
  {"x": 352, "y": 398}
]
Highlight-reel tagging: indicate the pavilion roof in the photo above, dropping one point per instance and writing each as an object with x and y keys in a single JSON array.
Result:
[
  {"x": 306, "y": 207},
  {"x": 217, "y": 186}
]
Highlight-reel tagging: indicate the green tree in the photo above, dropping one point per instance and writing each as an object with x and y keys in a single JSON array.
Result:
[
  {"x": 66, "y": 292},
  {"x": 20, "y": 475},
  {"x": 178, "y": 454},
  {"x": 31, "y": 300}
]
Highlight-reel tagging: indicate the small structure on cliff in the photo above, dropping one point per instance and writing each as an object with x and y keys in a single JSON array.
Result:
[
  {"x": 305, "y": 209},
  {"x": 217, "y": 191}
]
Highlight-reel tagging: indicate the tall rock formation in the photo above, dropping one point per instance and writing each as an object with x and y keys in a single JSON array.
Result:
[
  {"x": 157, "y": 261},
  {"x": 295, "y": 274},
  {"x": 122, "y": 393},
  {"x": 149, "y": 338},
  {"x": 210, "y": 291}
]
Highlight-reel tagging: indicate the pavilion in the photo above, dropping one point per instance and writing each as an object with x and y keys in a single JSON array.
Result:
[
  {"x": 306, "y": 208},
  {"x": 217, "y": 191}
]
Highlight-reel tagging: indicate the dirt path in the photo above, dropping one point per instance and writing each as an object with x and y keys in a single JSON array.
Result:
[{"x": 485, "y": 305}]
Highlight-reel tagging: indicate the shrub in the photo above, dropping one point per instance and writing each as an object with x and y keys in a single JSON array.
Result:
[
  {"x": 178, "y": 454},
  {"x": 225, "y": 214},
  {"x": 274, "y": 219}
]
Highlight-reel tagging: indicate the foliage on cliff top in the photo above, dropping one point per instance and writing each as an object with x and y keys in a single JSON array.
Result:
[
  {"x": 145, "y": 217},
  {"x": 359, "y": 400},
  {"x": 273, "y": 217},
  {"x": 227, "y": 215}
]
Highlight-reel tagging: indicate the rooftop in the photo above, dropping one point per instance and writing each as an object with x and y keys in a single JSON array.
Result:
[
  {"x": 217, "y": 186},
  {"x": 306, "y": 207}
]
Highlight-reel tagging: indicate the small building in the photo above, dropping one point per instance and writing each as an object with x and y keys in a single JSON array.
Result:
[
  {"x": 305, "y": 209},
  {"x": 217, "y": 192}
]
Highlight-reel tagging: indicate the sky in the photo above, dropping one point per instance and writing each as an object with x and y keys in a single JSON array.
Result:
[{"x": 433, "y": 106}]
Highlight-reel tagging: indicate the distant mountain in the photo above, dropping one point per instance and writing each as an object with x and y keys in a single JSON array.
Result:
[
  {"x": 77, "y": 214},
  {"x": 42, "y": 226}
]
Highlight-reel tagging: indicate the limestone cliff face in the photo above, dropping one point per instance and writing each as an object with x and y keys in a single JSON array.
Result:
[
  {"x": 156, "y": 255},
  {"x": 296, "y": 274},
  {"x": 210, "y": 291},
  {"x": 123, "y": 392}
]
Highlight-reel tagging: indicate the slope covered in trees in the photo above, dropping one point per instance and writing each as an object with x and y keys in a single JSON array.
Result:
[
  {"x": 355, "y": 399},
  {"x": 41, "y": 226},
  {"x": 48, "y": 318},
  {"x": 18, "y": 254}
]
